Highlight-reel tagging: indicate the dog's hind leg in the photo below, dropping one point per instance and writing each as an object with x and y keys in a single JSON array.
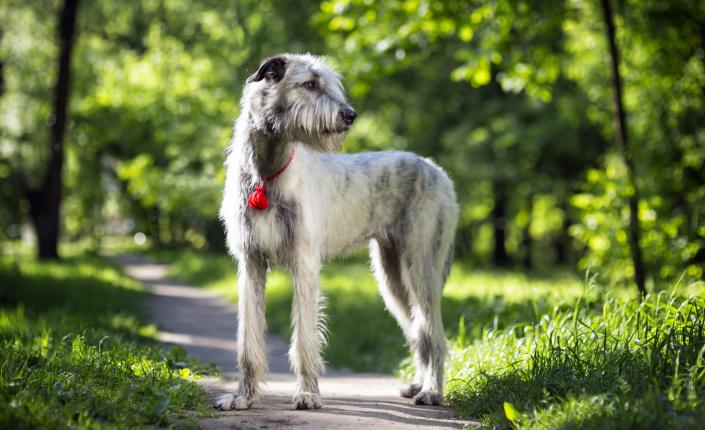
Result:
[
  {"x": 308, "y": 335},
  {"x": 251, "y": 347},
  {"x": 384, "y": 254},
  {"x": 423, "y": 281}
]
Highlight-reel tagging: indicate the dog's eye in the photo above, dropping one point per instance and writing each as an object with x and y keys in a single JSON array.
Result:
[{"x": 310, "y": 85}]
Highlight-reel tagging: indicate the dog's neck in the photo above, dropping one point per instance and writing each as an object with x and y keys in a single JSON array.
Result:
[{"x": 267, "y": 152}]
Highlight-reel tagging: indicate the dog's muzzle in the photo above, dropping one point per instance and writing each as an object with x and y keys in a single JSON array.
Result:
[{"x": 347, "y": 115}]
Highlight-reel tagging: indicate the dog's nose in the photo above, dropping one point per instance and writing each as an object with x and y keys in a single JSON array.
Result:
[{"x": 348, "y": 115}]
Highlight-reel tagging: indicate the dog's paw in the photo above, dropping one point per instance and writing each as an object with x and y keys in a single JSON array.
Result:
[
  {"x": 306, "y": 401},
  {"x": 431, "y": 398},
  {"x": 228, "y": 402},
  {"x": 410, "y": 390}
]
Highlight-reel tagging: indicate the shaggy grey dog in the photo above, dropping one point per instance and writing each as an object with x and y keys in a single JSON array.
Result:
[{"x": 289, "y": 201}]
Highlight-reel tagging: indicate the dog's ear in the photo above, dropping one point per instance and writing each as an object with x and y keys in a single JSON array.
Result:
[{"x": 272, "y": 69}]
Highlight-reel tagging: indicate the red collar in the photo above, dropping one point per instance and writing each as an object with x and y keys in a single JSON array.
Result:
[
  {"x": 282, "y": 168},
  {"x": 258, "y": 198}
]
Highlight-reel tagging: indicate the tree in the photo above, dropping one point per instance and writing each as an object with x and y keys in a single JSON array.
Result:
[
  {"x": 620, "y": 137},
  {"x": 45, "y": 201}
]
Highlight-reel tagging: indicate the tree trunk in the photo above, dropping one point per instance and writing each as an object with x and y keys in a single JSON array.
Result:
[
  {"x": 215, "y": 236},
  {"x": 620, "y": 124},
  {"x": 155, "y": 226},
  {"x": 45, "y": 202},
  {"x": 527, "y": 241},
  {"x": 2, "y": 70},
  {"x": 499, "y": 222}
]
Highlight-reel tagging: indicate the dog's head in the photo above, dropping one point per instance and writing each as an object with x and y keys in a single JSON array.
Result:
[{"x": 300, "y": 97}]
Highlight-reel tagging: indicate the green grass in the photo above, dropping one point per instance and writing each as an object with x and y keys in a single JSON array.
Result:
[
  {"x": 562, "y": 352},
  {"x": 75, "y": 353},
  {"x": 614, "y": 364}
]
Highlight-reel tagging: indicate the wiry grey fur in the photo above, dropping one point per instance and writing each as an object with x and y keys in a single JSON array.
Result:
[{"x": 323, "y": 205}]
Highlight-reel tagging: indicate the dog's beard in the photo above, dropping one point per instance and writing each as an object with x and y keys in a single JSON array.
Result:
[
  {"x": 327, "y": 141},
  {"x": 331, "y": 142}
]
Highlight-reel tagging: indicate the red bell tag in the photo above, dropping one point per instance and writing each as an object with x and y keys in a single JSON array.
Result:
[{"x": 258, "y": 199}]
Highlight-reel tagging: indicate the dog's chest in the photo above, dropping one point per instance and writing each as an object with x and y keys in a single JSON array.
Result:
[{"x": 273, "y": 230}]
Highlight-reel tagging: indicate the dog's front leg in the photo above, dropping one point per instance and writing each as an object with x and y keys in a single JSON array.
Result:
[
  {"x": 308, "y": 337},
  {"x": 251, "y": 346}
]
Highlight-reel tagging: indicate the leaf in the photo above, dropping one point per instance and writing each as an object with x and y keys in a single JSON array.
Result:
[
  {"x": 465, "y": 33},
  {"x": 481, "y": 74},
  {"x": 185, "y": 372},
  {"x": 512, "y": 414}
]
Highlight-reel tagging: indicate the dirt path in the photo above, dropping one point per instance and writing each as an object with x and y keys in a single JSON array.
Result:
[{"x": 203, "y": 323}]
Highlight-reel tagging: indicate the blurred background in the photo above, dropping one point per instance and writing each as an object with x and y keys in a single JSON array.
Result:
[
  {"x": 515, "y": 99},
  {"x": 574, "y": 131}
]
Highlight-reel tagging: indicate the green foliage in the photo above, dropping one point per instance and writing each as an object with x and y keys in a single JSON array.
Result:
[
  {"x": 73, "y": 351},
  {"x": 539, "y": 115},
  {"x": 520, "y": 37},
  {"x": 602, "y": 228}
]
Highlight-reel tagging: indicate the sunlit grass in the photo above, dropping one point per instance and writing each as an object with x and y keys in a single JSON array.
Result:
[
  {"x": 513, "y": 286},
  {"x": 73, "y": 351},
  {"x": 615, "y": 364}
]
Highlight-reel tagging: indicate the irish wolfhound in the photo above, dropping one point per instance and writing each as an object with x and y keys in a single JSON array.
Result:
[{"x": 289, "y": 201}]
